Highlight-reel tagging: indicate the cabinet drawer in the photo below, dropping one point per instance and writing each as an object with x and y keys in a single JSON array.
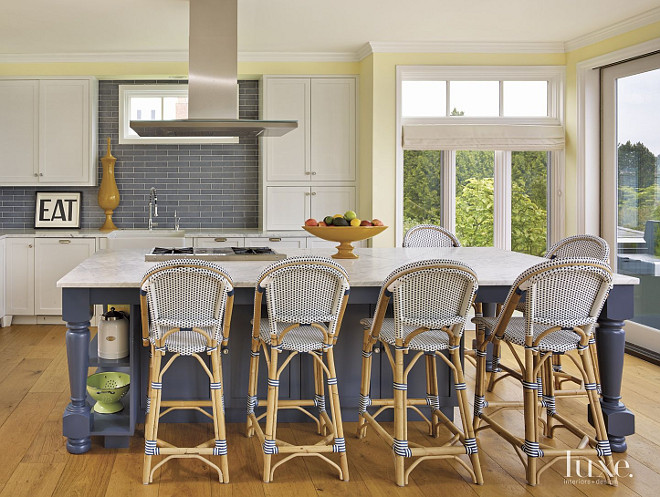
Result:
[
  {"x": 277, "y": 243},
  {"x": 219, "y": 241}
]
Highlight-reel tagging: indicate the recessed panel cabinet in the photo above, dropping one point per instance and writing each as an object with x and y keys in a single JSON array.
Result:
[
  {"x": 47, "y": 131},
  {"x": 311, "y": 171}
]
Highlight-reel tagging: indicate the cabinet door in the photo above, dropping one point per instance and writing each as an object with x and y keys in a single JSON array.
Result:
[
  {"x": 54, "y": 258},
  {"x": 331, "y": 200},
  {"x": 64, "y": 131},
  {"x": 222, "y": 241},
  {"x": 287, "y": 207},
  {"x": 287, "y": 158},
  {"x": 19, "y": 278},
  {"x": 277, "y": 243},
  {"x": 332, "y": 129},
  {"x": 19, "y": 132}
]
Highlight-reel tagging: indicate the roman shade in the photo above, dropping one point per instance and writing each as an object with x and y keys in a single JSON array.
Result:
[{"x": 453, "y": 136}]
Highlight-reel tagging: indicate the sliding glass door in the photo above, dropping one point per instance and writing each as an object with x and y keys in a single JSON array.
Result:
[{"x": 631, "y": 184}]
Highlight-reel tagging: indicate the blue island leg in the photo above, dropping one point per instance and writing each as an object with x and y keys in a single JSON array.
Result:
[
  {"x": 611, "y": 343},
  {"x": 77, "y": 419}
]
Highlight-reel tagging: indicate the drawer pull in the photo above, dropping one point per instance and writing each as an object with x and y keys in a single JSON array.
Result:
[
  {"x": 220, "y": 239},
  {"x": 65, "y": 242},
  {"x": 274, "y": 239}
]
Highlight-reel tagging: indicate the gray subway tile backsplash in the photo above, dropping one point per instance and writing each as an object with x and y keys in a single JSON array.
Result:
[{"x": 210, "y": 186}]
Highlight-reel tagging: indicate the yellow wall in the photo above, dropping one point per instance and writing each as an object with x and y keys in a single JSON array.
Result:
[{"x": 573, "y": 58}]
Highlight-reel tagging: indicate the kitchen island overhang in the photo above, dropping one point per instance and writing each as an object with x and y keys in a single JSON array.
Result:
[{"x": 114, "y": 277}]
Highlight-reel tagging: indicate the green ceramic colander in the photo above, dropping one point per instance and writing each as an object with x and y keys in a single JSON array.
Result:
[{"x": 107, "y": 389}]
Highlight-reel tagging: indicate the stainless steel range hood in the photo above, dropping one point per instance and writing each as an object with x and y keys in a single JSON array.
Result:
[{"x": 212, "y": 81}]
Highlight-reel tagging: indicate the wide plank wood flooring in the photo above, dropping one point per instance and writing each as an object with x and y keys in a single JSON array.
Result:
[{"x": 34, "y": 462}]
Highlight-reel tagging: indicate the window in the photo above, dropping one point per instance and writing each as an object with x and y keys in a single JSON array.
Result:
[
  {"x": 155, "y": 103},
  {"x": 486, "y": 165}
]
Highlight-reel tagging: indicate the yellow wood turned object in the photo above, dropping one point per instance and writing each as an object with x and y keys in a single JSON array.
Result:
[
  {"x": 108, "y": 192},
  {"x": 345, "y": 235}
]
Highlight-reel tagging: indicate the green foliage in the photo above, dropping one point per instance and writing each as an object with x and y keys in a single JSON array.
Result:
[
  {"x": 636, "y": 161},
  {"x": 474, "y": 213}
]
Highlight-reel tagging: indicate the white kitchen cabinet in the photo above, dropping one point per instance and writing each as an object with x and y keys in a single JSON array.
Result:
[
  {"x": 19, "y": 131},
  {"x": 222, "y": 241},
  {"x": 19, "y": 279},
  {"x": 48, "y": 131},
  {"x": 32, "y": 268},
  {"x": 53, "y": 258},
  {"x": 277, "y": 243},
  {"x": 290, "y": 206},
  {"x": 323, "y": 147}
]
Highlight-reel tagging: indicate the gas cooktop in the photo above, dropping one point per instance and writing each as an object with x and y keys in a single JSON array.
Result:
[{"x": 214, "y": 254}]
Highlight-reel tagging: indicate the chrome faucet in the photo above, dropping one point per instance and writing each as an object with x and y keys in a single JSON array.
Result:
[{"x": 153, "y": 207}]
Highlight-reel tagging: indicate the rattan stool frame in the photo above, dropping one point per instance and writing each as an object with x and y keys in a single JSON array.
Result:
[
  {"x": 290, "y": 336},
  {"x": 580, "y": 287},
  {"x": 451, "y": 287},
  {"x": 164, "y": 331}
]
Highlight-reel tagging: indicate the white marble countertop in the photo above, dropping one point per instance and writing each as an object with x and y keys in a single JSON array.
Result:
[{"x": 494, "y": 267}]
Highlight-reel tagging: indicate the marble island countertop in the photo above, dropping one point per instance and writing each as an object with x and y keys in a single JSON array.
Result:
[
  {"x": 125, "y": 268},
  {"x": 188, "y": 233}
]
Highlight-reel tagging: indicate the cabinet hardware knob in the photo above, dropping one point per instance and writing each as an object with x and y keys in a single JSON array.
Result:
[
  {"x": 30, "y": 245},
  {"x": 35, "y": 175},
  {"x": 313, "y": 173},
  {"x": 220, "y": 239},
  {"x": 274, "y": 239},
  {"x": 308, "y": 172},
  {"x": 65, "y": 242},
  {"x": 41, "y": 174},
  {"x": 307, "y": 194},
  {"x": 313, "y": 193}
]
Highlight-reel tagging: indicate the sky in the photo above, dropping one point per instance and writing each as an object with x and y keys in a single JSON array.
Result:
[{"x": 638, "y": 110}]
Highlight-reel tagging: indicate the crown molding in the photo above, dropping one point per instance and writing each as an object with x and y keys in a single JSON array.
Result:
[
  {"x": 145, "y": 56},
  {"x": 635, "y": 22},
  {"x": 298, "y": 57},
  {"x": 461, "y": 47}
]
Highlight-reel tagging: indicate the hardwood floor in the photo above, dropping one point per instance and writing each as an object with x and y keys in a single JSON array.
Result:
[{"x": 34, "y": 461}]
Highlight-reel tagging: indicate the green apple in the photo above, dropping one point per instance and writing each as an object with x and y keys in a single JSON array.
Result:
[{"x": 350, "y": 215}]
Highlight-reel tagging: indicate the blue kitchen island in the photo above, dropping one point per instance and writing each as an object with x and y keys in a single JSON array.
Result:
[{"x": 113, "y": 277}]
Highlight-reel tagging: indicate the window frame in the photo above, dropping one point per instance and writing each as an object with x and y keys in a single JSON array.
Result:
[
  {"x": 128, "y": 91},
  {"x": 555, "y": 76}
]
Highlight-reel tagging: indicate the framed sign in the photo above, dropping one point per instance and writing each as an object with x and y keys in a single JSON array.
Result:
[{"x": 58, "y": 210}]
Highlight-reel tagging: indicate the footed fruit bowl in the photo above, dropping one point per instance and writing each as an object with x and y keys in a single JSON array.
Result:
[
  {"x": 107, "y": 389},
  {"x": 344, "y": 235}
]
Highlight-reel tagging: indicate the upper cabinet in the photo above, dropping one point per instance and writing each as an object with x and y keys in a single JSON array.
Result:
[
  {"x": 47, "y": 131},
  {"x": 323, "y": 147}
]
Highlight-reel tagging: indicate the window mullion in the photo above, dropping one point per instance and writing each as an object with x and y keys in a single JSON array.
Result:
[
  {"x": 502, "y": 200},
  {"x": 449, "y": 190}
]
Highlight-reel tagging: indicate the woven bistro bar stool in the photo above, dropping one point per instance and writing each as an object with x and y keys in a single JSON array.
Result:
[
  {"x": 430, "y": 302},
  {"x": 430, "y": 235},
  {"x": 563, "y": 298},
  {"x": 186, "y": 309},
  {"x": 306, "y": 298},
  {"x": 572, "y": 247}
]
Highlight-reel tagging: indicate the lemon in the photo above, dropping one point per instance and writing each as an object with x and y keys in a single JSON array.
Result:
[
  {"x": 337, "y": 215},
  {"x": 355, "y": 222}
]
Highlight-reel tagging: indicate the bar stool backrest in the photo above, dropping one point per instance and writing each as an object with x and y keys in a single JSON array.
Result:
[
  {"x": 580, "y": 246},
  {"x": 187, "y": 293},
  {"x": 304, "y": 290},
  {"x": 433, "y": 294},
  {"x": 429, "y": 235},
  {"x": 561, "y": 292}
]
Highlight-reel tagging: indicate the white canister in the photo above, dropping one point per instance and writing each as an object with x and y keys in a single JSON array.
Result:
[{"x": 113, "y": 335}]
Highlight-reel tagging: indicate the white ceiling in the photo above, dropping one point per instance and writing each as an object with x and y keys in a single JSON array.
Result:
[{"x": 335, "y": 26}]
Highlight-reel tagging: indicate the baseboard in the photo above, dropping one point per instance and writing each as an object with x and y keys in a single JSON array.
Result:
[{"x": 643, "y": 353}]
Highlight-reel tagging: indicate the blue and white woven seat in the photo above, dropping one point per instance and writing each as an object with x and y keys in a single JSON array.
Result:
[
  {"x": 186, "y": 309},
  {"x": 430, "y": 235},
  {"x": 305, "y": 298},
  {"x": 562, "y": 300},
  {"x": 430, "y": 300}
]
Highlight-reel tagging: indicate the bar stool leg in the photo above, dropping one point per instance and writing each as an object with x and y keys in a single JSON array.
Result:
[
  {"x": 432, "y": 392},
  {"x": 530, "y": 400},
  {"x": 365, "y": 384},
  {"x": 252, "y": 385},
  {"x": 151, "y": 423},
  {"x": 400, "y": 417},
  {"x": 270, "y": 446},
  {"x": 319, "y": 391},
  {"x": 549, "y": 396},
  {"x": 464, "y": 409},
  {"x": 333, "y": 391},
  {"x": 219, "y": 413}
]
